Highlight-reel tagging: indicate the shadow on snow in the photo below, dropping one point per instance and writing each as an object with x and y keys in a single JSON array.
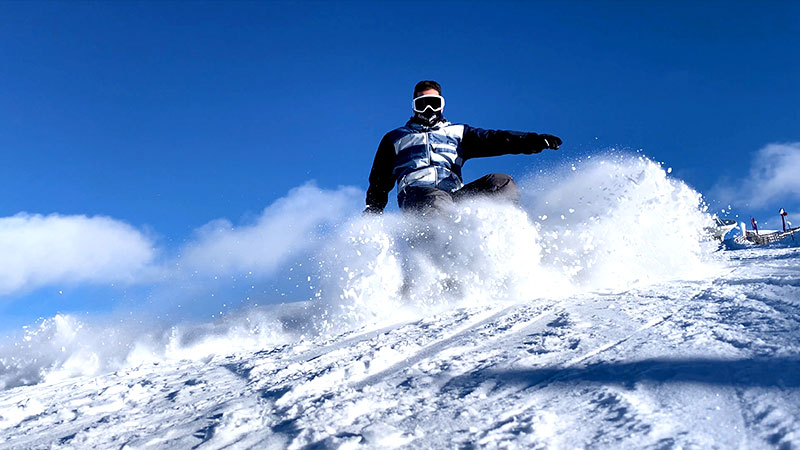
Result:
[{"x": 772, "y": 372}]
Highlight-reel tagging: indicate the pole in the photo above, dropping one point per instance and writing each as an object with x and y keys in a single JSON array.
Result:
[{"x": 783, "y": 218}]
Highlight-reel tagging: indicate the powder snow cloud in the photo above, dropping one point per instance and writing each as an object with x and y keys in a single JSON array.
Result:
[
  {"x": 38, "y": 250},
  {"x": 288, "y": 226}
]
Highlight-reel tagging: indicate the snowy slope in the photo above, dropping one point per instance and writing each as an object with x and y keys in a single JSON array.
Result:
[
  {"x": 685, "y": 365},
  {"x": 529, "y": 334}
]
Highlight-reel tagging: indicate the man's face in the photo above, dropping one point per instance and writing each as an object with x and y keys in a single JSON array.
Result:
[{"x": 426, "y": 112}]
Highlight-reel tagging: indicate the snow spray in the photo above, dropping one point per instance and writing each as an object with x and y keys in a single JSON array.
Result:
[{"x": 609, "y": 222}]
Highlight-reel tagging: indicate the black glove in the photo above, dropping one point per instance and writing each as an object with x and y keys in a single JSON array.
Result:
[
  {"x": 550, "y": 141},
  {"x": 372, "y": 210},
  {"x": 539, "y": 142}
]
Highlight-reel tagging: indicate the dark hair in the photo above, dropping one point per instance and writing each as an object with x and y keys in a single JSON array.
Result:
[{"x": 425, "y": 85}]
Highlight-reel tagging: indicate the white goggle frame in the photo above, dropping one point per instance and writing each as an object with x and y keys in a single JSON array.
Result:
[{"x": 414, "y": 104}]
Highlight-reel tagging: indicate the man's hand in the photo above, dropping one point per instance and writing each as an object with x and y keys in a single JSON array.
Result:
[
  {"x": 372, "y": 211},
  {"x": 539, "y": 142}
]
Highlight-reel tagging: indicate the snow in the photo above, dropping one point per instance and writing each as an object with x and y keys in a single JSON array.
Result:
[{"x": 483, "y": 328}]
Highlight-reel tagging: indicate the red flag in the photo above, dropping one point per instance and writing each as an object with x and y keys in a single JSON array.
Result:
[{"x": 755, "y": 226}]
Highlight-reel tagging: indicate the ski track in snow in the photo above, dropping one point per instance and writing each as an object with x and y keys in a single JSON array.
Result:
[{"x": 711, "y": 364}]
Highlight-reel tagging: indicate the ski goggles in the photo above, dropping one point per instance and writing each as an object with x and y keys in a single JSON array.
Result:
[{"x": 423, "y": 102}]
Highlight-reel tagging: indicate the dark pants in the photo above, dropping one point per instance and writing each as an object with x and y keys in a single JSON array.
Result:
[{"x": 494, "y": 185}]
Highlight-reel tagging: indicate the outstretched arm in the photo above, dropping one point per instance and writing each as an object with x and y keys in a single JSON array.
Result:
[
  {"x": 381, "y": 178},
  {"x": 479, "y": 143}
]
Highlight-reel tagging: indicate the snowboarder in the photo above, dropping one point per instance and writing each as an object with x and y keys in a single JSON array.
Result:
[{"x": 424, "y": 157}]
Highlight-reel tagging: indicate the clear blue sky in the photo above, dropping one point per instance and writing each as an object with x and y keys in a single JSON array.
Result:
[{"x": 169, "y": 115}]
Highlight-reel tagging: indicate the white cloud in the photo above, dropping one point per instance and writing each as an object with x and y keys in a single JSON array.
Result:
[
  {"x": 290, "y": 225},
  {"x": 775, "y": 173},
  {"x": 774, "y": 177},
  {"x": 36, "y": 250}
]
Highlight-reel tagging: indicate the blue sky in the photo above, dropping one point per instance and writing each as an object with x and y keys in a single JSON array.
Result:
[{"x": 168, "y": 116}]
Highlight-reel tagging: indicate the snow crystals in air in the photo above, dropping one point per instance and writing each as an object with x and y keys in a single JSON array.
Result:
[{"x": 617, "y": 326}]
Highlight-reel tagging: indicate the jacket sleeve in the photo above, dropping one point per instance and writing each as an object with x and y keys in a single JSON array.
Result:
[
  {"x": 480, "y": 143},
  {"x": 381, "y": 177}
]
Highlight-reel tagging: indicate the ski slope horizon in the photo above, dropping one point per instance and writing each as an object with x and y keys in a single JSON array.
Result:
[
  {"x": 597, "y": 315},
  {"x": 78, "y": 264}
]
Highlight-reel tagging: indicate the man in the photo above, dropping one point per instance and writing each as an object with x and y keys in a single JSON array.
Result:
[{"x": 425, "y": 156}]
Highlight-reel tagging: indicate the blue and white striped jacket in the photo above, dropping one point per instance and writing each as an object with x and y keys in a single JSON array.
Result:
[
  {"x": 416, "y": 155},
  {"x": 428, "y": 157}
]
